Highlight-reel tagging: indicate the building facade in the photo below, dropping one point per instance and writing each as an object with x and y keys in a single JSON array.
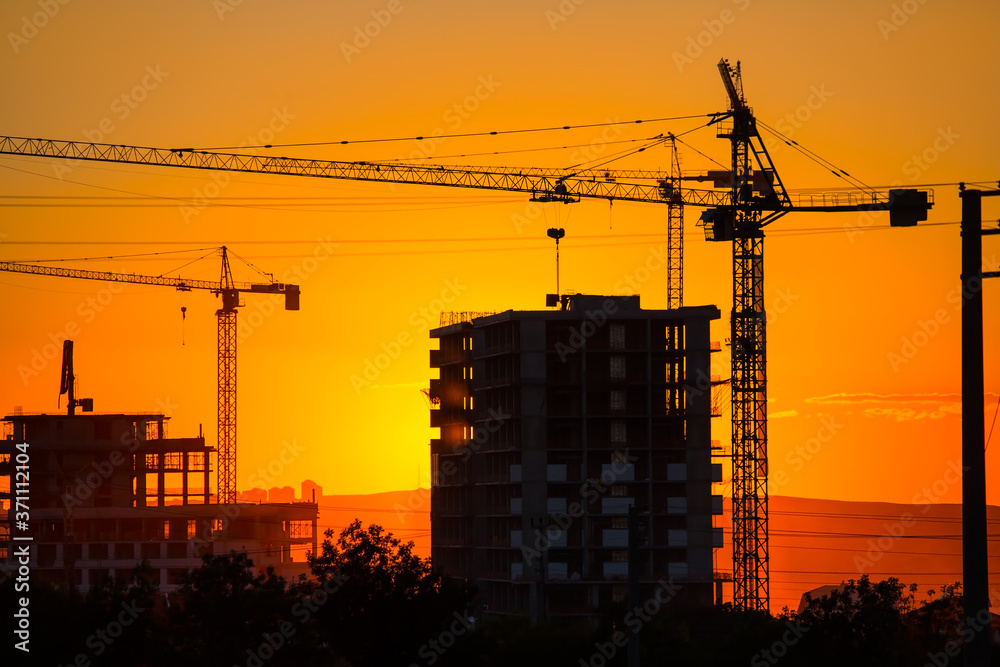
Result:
[
  {"x": 106, "y": 491},
  {"x": 552, "y": 425}
]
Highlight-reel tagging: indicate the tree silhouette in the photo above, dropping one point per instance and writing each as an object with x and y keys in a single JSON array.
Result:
[
  {"x": 226, "y": 614},
  {"x": 384, "y": 603},
  {"x": 112, "y": 623},
  {"x": 861, "y": 622},
  {"x": 373, "y": 602}
]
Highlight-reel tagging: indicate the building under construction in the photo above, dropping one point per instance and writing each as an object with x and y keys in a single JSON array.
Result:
[
  {"x": 110, "y": 490},
  {"x": 552, "y": 425}
]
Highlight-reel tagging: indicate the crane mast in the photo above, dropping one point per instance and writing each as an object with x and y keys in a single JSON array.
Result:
[
  {"x": 748, "y": 341},
  {"x": 675, "y": 230},
  {"x": 226, "y": 374}
]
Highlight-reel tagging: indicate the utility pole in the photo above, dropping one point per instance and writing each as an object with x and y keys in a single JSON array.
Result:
[{"x": 975, "y": 553}]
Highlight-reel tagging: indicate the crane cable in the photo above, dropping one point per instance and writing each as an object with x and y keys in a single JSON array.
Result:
[
  {"x": 105, "y": 257},
  {"x": 214, "y": 202},
  {"x": 508, "y": 152},
  {"x": 617, "y": 156},
  {"x": 710, "y": 159},
  {"x": 658, "y": 140},
  {"x": 834, "y": 169},
  {"x": 450, "y": 136},
  {"x": 269, "y": 276},
  {"x": 995, "y": 411},
  {"x": 214, "y": 251}
]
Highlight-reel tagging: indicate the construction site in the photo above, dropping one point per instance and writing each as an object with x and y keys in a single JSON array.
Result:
[
  {"x": 755, "y": 198},
  {"x": 112, "y": 490},
  {"x": 581, "y": 453}
]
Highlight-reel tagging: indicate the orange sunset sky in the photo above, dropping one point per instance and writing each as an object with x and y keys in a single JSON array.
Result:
[{"x": 864, "y": 323}]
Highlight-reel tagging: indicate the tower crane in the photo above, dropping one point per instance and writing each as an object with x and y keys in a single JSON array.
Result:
[
  {"x": 742, "y": 221},
  {"x": 230, "y": 292},
  {"x": 754, "y": 197}
]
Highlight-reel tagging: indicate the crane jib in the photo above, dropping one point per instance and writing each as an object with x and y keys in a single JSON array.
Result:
[{"x": 641, "y": 186}]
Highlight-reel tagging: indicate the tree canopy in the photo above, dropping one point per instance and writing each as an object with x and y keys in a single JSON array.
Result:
[{"x": 369, "y": 601}]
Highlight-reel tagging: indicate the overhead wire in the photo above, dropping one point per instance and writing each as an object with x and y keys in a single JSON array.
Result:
[
  {"x": 439, "y": 251},
  {"x": 994, "y": 423},
  {"x": 449, "y": 136},
  {"x": 510, "y": 152},
  {"x": 117, "y": 168},
  {"x": 711, "y": 159},
  {"x": 113, "y": 257},
  {"x": 91, "y": 185},
  {"x": 143, "y": 201},
  {"x": 189, "y": 202},
  {"x": 415, "y": 532},
  {"x": 615, "y": 157},
  {"x": 896, "y": 185},
  {"x": 834, "y": 169},
  {"x": 238, "y": 242}
]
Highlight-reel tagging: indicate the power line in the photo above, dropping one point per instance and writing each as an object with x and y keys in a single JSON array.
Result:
[
  {"x": 509, "y": 152},
  {"x": 465, "y": 196},
  {"x": 212, "y": 202},
  {"x": 450, "y": 136},
  {"x": 458, "y": 250},
  {"x": 896, "y": 185},
  {"x": 117, "y": 257},
  {"x": 232, "y": 242}
]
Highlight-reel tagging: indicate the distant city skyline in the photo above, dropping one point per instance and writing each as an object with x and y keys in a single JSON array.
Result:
[{"x": 283, "y": 494}]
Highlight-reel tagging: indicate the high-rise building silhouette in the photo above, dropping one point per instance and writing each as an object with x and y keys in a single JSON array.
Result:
[
  {"x": 552, "y": 425},
  {"x": 311, "y": 491},
  {"x": 281, "y": 494}
]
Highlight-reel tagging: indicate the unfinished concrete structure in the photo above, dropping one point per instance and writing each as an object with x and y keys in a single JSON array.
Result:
[
  {"x": 110, "y": 490},
  {"x": 552, "y": 424}
]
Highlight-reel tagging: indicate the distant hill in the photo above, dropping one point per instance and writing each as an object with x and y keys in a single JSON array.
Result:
[
  {"x": 818, "y": 542},
  {"x": 812, "y": 542},
  {"x": 406, "y": 514}
]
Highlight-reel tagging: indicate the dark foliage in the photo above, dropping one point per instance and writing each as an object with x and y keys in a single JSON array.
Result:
[
  {"x": 385, "y": 603},
  {"x": 372, "y": 602}
]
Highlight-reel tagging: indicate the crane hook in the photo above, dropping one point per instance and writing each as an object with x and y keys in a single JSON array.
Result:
[{"x": 183, "y": 318}]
